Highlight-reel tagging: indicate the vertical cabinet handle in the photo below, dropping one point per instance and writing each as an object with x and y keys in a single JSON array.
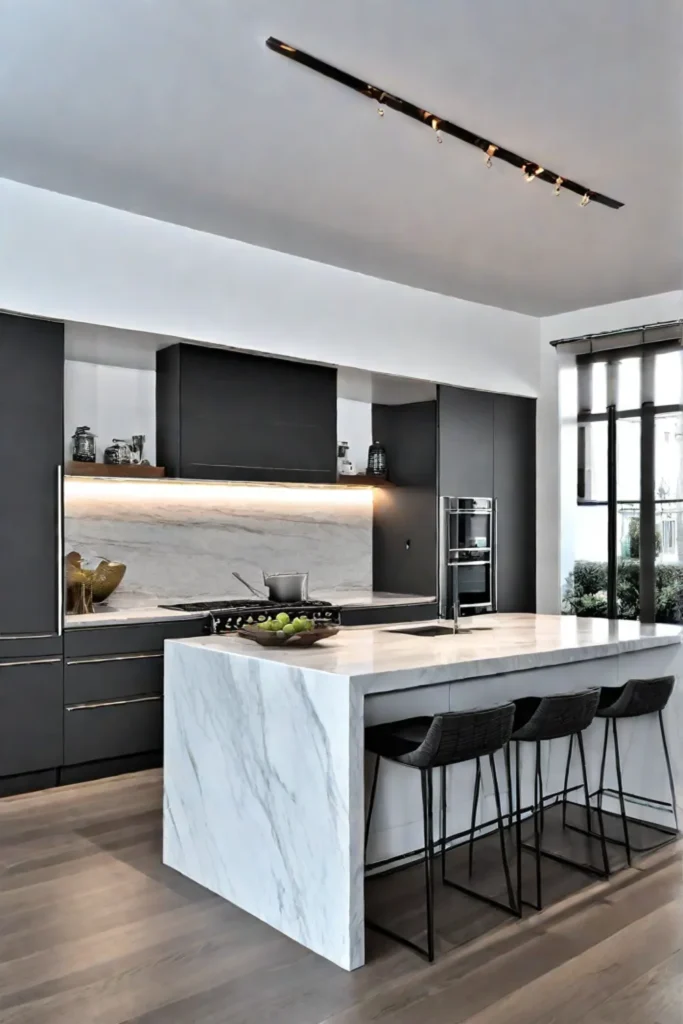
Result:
[
  {"x": 60, "y": 550},
  {"x": 494, "y": 553}
]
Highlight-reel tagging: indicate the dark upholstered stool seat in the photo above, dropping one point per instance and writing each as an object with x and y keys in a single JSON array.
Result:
[
  {"x": 638, "y": 697},
  {"x": 538, "y": 719},
  {"x": 449, "y": 738}
]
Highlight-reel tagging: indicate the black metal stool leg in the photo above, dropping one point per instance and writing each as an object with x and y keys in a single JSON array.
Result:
[
  {"x": 537, "y": 830},
  {"x": 508, "y": 774},
  {"x": 603, "y": 764},
  {"x": 501, "y": 833},
  {"x": 603, "y": 843},
  {"x": 428, "y": 832},
  {"x": 475, "y": 805},
  {"x": 518, "y": 797},
  {"x": 584, "y": 774},
  {"x": 622, "y": 804},
  {"x": 668, "y": 768},
  {"x": 566, "y": 782},
  {"x": 427, "y": 811},
  {"x": 444, "y": 817},
  {"x": 373, "y": 791}
]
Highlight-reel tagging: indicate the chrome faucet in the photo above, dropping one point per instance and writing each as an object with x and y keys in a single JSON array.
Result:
[{"x": 456, "y": 614}]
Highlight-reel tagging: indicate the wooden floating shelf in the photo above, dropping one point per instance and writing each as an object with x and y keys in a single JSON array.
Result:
[
  {"x": 363, "y": 480},
  {"x": 134, "y": 472}
]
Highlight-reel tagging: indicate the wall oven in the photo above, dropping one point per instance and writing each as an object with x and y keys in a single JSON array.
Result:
[{"x": 467, "y": 556}]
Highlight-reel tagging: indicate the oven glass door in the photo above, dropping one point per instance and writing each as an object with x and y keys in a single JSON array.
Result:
[{"x": 474, "y": 586}]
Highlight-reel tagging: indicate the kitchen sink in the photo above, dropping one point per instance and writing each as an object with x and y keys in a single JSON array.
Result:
[
  {"x": 437, "y": 630},
  {"x": 428, "y": 630}
]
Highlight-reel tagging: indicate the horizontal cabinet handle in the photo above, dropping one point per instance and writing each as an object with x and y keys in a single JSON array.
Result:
[
  {"x": 112, "y": 703},
  {"x": 28, "y": 636},
  {"x": 113, "y": 657},
  {"x": 269, "y": 469},
  {"x": 29, "y": 661}
]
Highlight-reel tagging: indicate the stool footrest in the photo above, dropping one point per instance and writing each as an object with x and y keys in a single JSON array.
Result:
[
  {"x": 489, "y": 900},
  {"x": 671, "y": 833},
  {"x": 589, "y": 869},
  {"x": 398, "y": 938}
]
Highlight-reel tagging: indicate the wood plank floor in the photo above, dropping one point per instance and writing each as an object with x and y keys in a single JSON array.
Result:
[{"x": 94, "y": 930}]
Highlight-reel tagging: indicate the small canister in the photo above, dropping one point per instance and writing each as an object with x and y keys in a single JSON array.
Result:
[
  {"x": 118, "y": 453},
  {"x": 83, "y": 445},
  {"x": 377, "y": 460}
]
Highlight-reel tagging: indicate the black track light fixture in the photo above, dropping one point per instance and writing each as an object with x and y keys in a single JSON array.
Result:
[{"x": 440, "y": 126}]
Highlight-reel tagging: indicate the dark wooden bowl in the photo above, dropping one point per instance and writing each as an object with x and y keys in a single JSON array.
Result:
[{"x": 266, "y": 638}]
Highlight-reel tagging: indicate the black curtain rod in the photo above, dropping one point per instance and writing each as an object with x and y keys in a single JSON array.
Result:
[
  {"x": 434, "y": 122},
  {"x": 658, "y": 325}
]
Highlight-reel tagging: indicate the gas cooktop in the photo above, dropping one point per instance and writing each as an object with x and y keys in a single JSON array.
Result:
[
  {"x": 229, "y": 614},
  {"x": 237, "y": 604}
]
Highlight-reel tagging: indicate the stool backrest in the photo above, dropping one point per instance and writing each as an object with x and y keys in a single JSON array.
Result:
[
  {"x": 561, "y": 715},
  {"x": 463, "y": 735},
  {"x": 638, "y": 697}
]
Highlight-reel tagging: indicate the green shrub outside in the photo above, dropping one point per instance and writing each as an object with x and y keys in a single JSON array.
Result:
[{"x": 585, "y": 591}]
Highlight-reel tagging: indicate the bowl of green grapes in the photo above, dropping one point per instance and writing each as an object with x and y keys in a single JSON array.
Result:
[{"x": 281, "y": 631}]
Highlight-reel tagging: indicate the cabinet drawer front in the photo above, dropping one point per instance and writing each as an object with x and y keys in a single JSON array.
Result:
[
  {"x": 96, "y": 731},
  {"x": 31, "y": 703},
  {"x": 113, "y": 677},
  {"x": 101, "y": 640},
  {"x": 30, "y": 646}
]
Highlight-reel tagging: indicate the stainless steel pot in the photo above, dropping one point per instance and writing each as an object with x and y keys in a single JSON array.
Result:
[{"x": 287, "y": 586}]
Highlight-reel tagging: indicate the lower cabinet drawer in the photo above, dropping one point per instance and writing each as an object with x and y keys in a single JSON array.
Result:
[
  {"x": 87, "y": 680},
  {"x": 112, "y": 728}
]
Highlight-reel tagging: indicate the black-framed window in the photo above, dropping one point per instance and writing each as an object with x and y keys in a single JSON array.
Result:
[{"x": 629, "y": 517}]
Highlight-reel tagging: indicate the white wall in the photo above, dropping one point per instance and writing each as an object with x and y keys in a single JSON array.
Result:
[
  {"x": 72, "y": 260},
  {"x": 557, "y": 414},
  {"x": 354, "y": 424},
  {"x": 114, "y": 401}
]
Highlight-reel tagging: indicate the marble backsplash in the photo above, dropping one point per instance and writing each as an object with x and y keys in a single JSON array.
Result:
[{"x": 184, "y": 540}]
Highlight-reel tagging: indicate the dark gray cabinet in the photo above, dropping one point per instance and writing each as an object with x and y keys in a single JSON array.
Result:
[
  {"x": 113, "y": 691},
  {"x": 31, "y": 699},
  {"x": 405, "y": 515},
  {"x": 233, "y": 416},
  {"x": 112, "y": 729},
  {"x": 31, "y": 400},
  {"x": 514, "y": 477},
  {"x": 487, "y": 448},
  {"x": 465, "y": 443}
]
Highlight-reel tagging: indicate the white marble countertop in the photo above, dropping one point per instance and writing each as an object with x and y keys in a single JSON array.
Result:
[
  {"x": 129, "y": 609},
  {"x": 110, "y": 615},
  {"x": 372, "y": 599},
  {"x": 383, "y": 658}
]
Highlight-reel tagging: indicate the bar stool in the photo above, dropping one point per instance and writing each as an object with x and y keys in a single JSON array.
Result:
[
  {"x": 538, "y": 720},
  {"x": 427, "y": 743},
  {"x": 637, "y": 698}
]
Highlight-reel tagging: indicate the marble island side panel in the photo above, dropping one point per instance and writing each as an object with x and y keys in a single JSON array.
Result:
[{"x": 259, "y": 791}]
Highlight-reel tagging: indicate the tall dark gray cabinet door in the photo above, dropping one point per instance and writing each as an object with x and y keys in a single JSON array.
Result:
[
  {"x": 487, "y": 448},
  {"x": 514, "y": 458},
  {"x": 465, "y": 443},
  {"x": 31, "y": 427}
]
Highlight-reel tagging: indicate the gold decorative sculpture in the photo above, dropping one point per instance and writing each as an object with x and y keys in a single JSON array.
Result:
[{"x": 85, "y": 586}]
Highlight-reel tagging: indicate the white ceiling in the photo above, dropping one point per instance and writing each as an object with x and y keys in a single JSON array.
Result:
[{"x": 175, "y": 109}]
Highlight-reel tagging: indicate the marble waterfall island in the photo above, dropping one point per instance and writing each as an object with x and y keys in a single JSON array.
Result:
[{"x": 264, "y": 762}]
